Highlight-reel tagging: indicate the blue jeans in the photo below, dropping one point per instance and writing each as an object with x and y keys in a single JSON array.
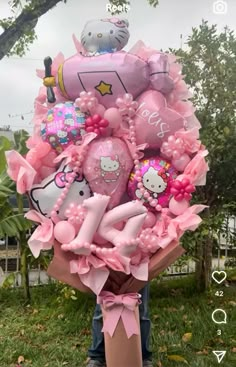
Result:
[{"x": 97, "y": 349}]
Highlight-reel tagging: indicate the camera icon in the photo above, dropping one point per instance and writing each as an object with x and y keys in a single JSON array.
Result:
[{"x": 220, "y": 7}]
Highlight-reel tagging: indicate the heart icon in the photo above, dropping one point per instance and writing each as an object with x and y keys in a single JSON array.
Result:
[{"x": 219, "y": 276}]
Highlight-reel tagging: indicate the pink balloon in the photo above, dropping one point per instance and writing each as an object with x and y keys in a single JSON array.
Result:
[
  {"x": 154, "y": 121},
  {"x": 99, "y": 110},
  {"x": 107, "y": 168},
  {"x": 134, "y": 213},
  {"x": 150, "y": 220},
  {"x": 64, "y": 231},
  {"x": 45, "y": 194},
  {"x": 182, "y": 162},
  {"x": 95, "y": 207},
  {"x": 114, "y": 117},
  {"x": 178, "y": 207}
]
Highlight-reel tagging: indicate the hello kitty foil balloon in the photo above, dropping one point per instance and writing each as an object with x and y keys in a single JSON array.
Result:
[
  {"x": 107, "y": 168},
  {"x": 102, "y": 66},
  {"x": 105, "y": 35},
  {"x": 157, "y": 175},
  {"x": 64, "y": 125},
  {"x": 44, "y": 195}
]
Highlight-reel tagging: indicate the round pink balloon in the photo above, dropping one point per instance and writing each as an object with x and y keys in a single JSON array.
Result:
[
  {"x": 181, "y": 162},
  {"x": 114, "y": 117},
  {"x": 150, "y": 220},
  {"x": 107, "y": 168},
  {"x": 154, "y": 121},
  {"x": 178, "y": 207},
  {"x": 64, "y": 232},
  {"x": 157, "y": 174}
]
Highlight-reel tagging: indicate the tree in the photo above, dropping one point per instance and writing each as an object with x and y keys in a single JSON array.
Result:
[
  {"x": 209, "y": 63},
  {"x": 19, "y": 30},
  {"x": 12, "y": 220}
]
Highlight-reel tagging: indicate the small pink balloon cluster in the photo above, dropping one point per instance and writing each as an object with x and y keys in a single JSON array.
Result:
[{"x": 113, "y": 184}]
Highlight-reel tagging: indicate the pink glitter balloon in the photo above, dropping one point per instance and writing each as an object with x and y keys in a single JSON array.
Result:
[
  {"x": 157, "y": 174},
  {"x": 107, "y": 168},
  {"x": 63, "y": 126}
]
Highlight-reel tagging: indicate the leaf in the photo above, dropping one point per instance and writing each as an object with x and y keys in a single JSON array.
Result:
[
  {"x": 187, "y": 337},
  {"x": 74, "y": 298},
  {"x": 13, "y": 225},
  {"x": 20, "y": 359},
  {"x": 21, "y": 137},
  {"x": 162, "y": 349},
  {"x": 232, "y": 303},
  {"x": 202, "y": 352},
  {"x": 5, "y": 144},
  {"x": 177, "y": 358},
  {"x": 9, "y": 281}
]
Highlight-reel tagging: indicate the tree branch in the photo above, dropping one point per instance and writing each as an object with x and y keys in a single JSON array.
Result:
[{"x": 24, "y": 23}]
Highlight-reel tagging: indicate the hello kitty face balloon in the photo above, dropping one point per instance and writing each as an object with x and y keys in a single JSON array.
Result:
[
  {"x": 105, "y": 35},
  {"x": 155, "y": 181},
  {"x": 157, "y": 175},
  {"x": 44, "y": 196}
]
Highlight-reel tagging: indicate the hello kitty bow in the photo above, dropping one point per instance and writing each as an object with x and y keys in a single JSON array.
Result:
[
  {"x": 119, "y": 23},
  {"x": 163, "y": 175},
  {"x": 62, "y": 178}
]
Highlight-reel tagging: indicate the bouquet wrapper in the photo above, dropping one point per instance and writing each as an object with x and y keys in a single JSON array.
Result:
[
  {"x": 120, "y": 350},
  {"x": 118, "y": 283}
]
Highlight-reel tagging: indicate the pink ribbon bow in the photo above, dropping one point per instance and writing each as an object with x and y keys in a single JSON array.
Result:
[
  {"x": 120, "y": 306},
  {"x": 62, "y": 178}
]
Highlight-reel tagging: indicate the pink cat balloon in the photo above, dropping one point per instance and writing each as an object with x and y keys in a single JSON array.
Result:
[
  {"x": 154, "y": 121},
  {"x": 157, "y": 174},
  {"x": 103, "y": 67},
  {"x": 43, "y": 196},
  {"x": 107, "y": 168}
]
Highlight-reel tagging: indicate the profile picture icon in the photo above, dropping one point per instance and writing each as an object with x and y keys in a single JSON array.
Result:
[{"x": 220, "y": 7}]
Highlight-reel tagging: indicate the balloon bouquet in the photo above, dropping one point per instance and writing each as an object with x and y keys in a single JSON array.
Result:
[{"x": 111, "y": 168}]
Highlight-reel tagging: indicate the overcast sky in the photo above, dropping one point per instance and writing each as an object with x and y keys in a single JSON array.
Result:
[{"x": 159, "y": 28}]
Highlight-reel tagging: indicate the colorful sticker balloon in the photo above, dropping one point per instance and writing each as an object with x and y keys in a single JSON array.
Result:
[{"x": 63, "y": 126}]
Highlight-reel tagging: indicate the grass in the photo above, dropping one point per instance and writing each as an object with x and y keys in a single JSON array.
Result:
[{"x": 54, "y": 332}]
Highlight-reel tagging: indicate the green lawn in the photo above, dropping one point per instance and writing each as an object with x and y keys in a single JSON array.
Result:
[{"x": 53, "y": 333}]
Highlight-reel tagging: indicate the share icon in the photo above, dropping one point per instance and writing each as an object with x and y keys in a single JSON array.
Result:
[{"x": 219, "y": 354}]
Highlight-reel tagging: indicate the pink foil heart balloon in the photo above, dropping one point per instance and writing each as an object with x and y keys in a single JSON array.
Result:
[
  {"x": 154, "y": 121},
  {"x": 107, "y": 168}
]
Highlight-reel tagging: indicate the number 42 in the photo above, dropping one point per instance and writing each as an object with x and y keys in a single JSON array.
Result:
[{"x": 219, "y": 293}]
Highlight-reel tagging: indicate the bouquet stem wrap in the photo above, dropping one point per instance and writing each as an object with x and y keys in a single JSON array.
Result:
[{"x": 121, "y": 329}]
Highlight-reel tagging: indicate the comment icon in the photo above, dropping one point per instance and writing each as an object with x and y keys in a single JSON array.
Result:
[{"x": 219, "y": 316}]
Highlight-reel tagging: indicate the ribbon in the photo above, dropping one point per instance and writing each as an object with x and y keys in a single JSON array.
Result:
[
  {"x": 62, "y": 178},
  {"x": 120, "y": 306}
]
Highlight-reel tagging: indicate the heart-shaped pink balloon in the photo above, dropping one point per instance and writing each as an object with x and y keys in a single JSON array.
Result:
[
  {"x": 107, "y": 168},
  {"x": 154, "y": 121}
]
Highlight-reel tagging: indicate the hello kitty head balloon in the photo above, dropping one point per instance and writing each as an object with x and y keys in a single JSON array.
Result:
[
  {"x": 157, "y": 175},
  {"x": 44, "y": 196},
  {"x": 105, "y": 35}
]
